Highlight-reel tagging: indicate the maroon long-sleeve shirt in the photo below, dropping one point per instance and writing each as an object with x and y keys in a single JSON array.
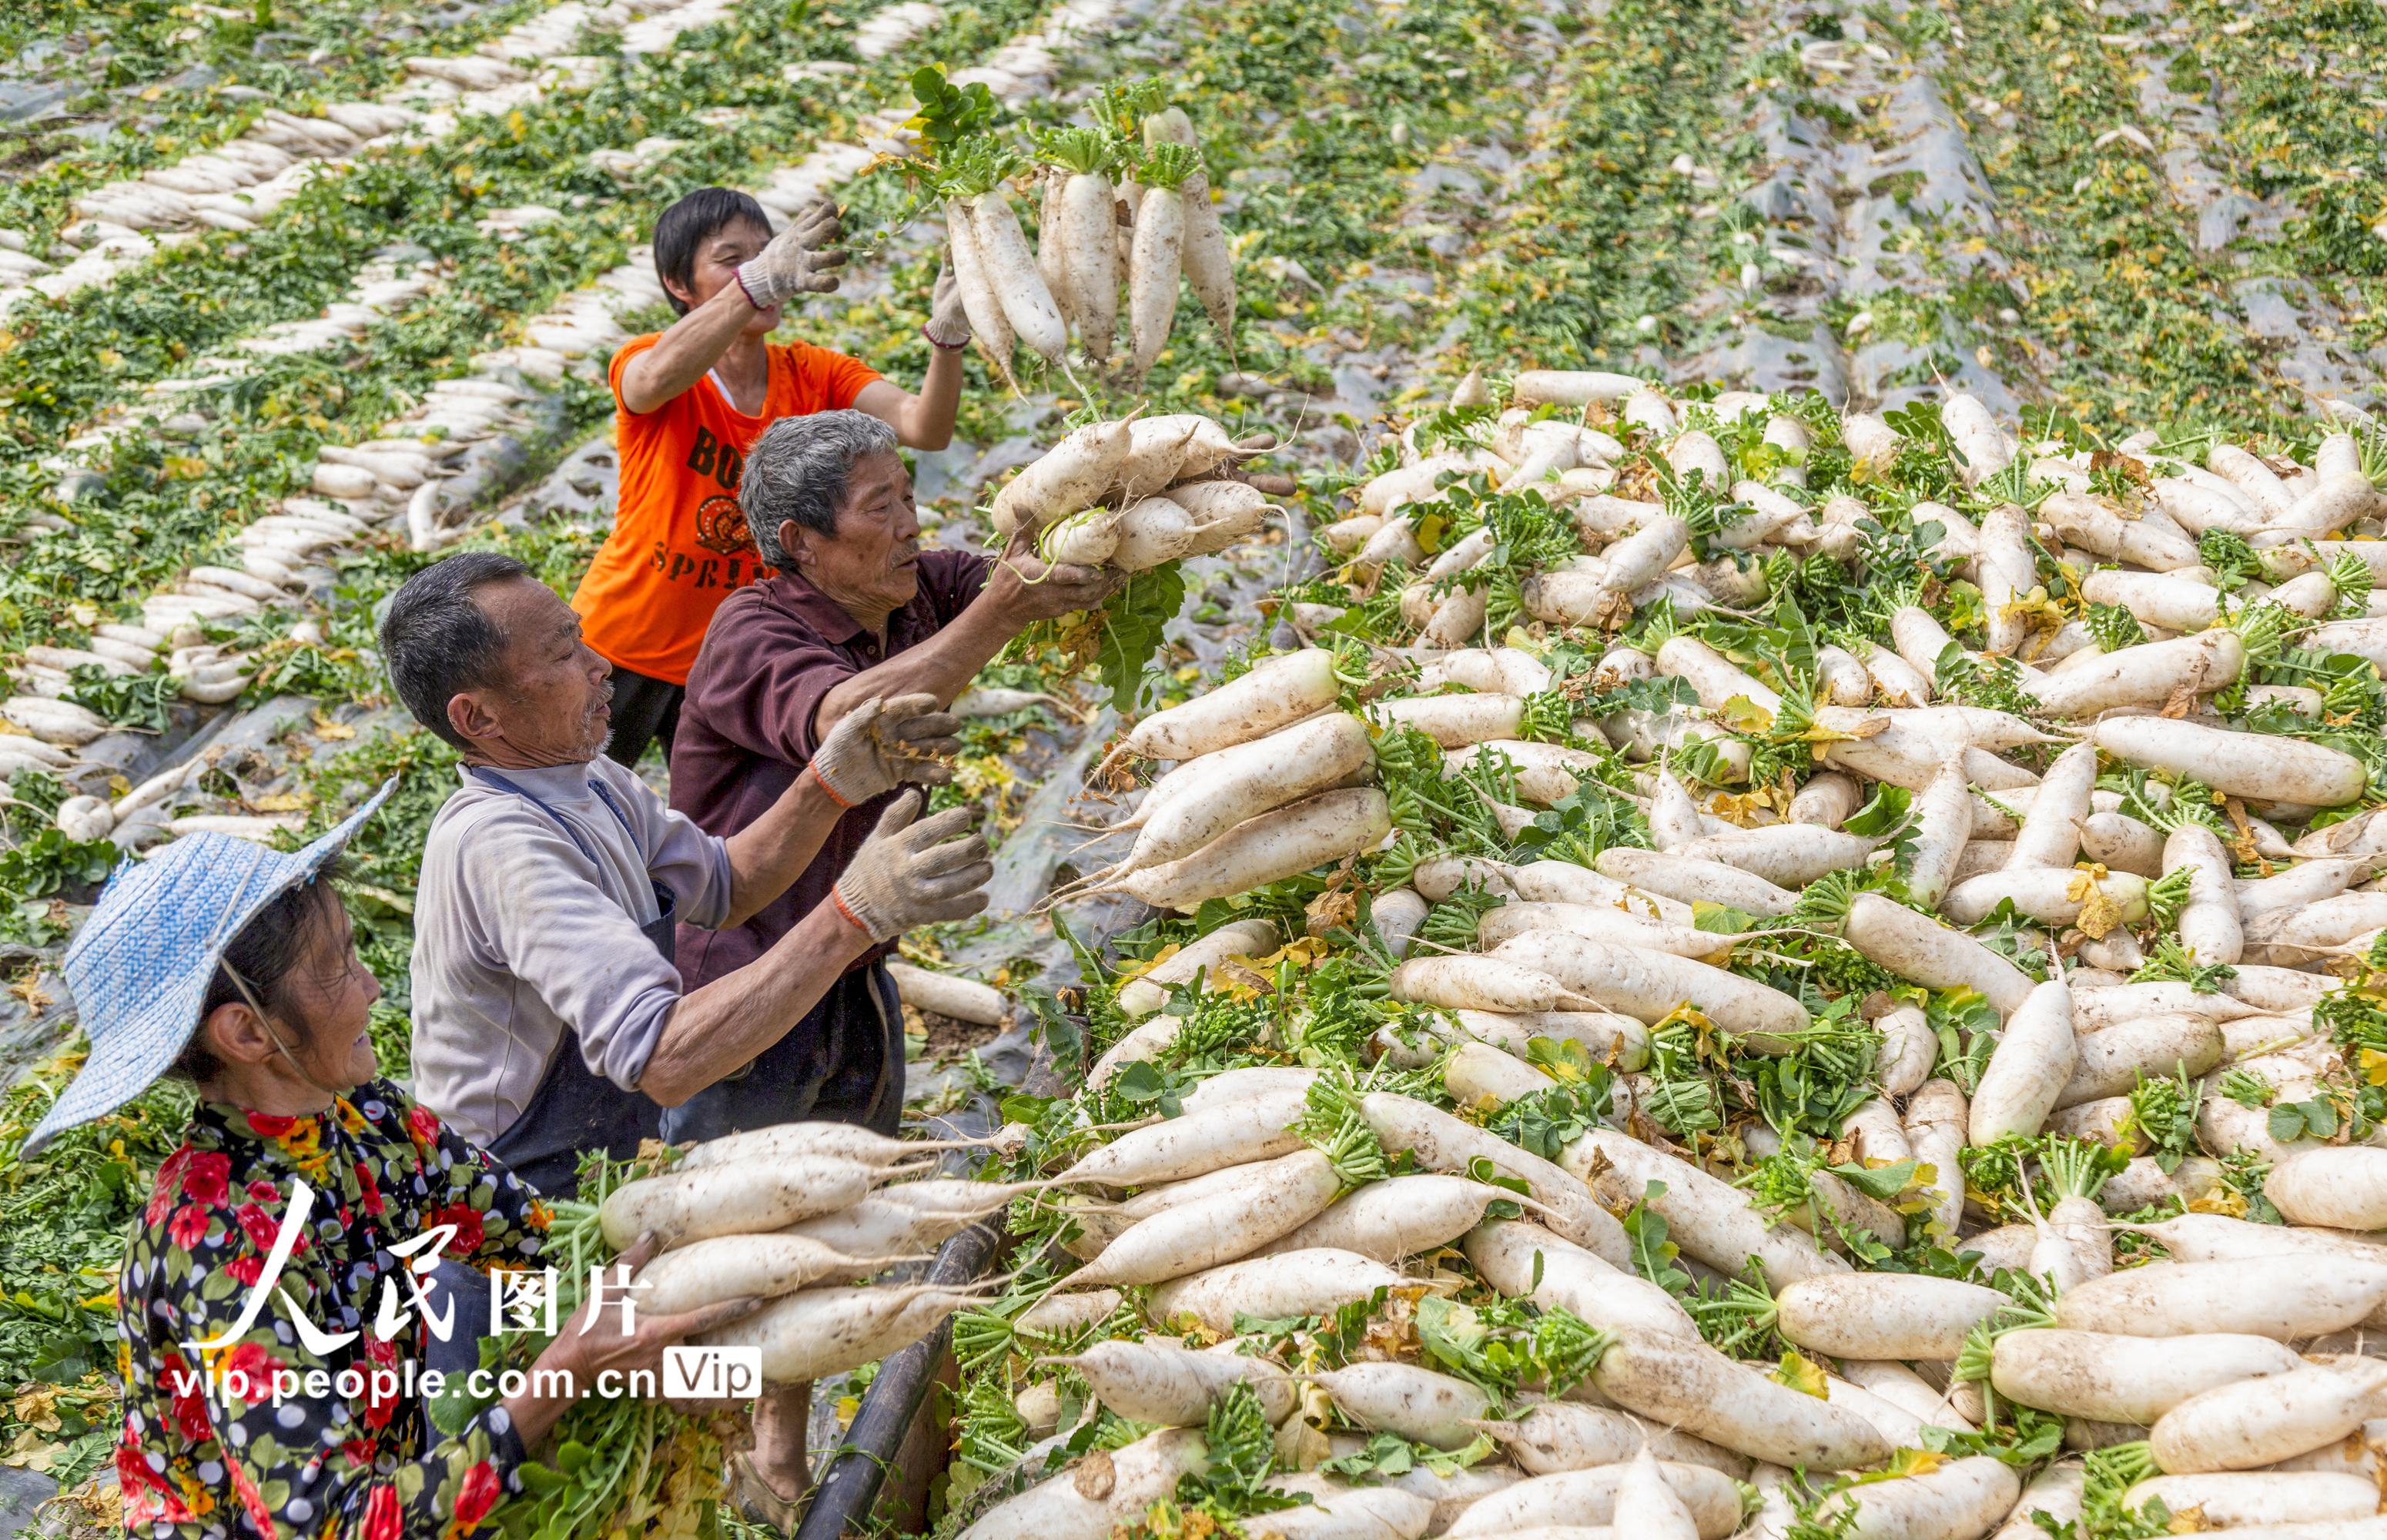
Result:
[{"x": 773, "y": 650}]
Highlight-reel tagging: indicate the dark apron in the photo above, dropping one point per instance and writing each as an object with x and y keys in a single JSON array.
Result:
[
  {"x": 842, "y": 1064},
  {"x": 573, "y": 1110}
]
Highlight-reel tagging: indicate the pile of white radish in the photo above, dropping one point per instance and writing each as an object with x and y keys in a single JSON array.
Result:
[
  {"x": 1114, "y": 217},
  {"x": 2122, "y": 1309},
  {"x": 1133, "y": 493},
  {"x": 799, "y": 1215}
]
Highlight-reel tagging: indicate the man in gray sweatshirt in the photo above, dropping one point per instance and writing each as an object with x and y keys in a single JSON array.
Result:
[{"x": 549, "y": 1018}]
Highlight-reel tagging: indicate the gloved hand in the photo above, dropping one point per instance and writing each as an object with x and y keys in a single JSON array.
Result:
[
  {"x": 949, "y": 325},
  {"x": 881, "y": 744},
  {"x": 910, "y": 874},
  {"x": 802, "y": 258}
]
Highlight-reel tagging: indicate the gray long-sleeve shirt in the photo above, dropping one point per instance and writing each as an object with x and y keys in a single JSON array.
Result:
[{"x": 519, "y": 939}]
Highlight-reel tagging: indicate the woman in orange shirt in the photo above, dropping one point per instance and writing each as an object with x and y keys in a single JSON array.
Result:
[{"x": 688, "y": 402}]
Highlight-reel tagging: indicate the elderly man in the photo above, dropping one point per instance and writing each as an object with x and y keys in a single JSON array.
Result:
[
  {"x": 857, "y": 610},
  {"x": 550, "y": 1016}
]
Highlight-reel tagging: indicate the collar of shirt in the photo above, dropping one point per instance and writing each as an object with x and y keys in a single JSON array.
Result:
[
  {"x": 827, "y": 619},
  {"x": 558, "y": 785}
]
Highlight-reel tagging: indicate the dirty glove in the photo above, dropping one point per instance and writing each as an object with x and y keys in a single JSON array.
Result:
[
  {"x": 910, "y": 874},
  {"x": 948, "y": 327},
  {"x": 881, "y": 744},
  {"x": 802, "y": 258}
]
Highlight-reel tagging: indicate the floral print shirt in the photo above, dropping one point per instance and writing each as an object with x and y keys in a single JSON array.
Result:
[{"x": 200, "y": 1463}]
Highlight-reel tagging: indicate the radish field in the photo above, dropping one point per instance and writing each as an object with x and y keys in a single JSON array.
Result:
[{"x": 1770, "y": 920}]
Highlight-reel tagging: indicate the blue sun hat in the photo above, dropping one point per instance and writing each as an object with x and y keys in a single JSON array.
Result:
[{"x": 140, "y": 968}]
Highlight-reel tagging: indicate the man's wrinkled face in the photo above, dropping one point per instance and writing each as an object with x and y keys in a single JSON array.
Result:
[
  {"x": 551, "y": 703},
  {"x": 871, "y": 566}
]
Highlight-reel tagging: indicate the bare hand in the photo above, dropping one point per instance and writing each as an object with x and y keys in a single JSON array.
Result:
[{"x": 1026, "y": 589}]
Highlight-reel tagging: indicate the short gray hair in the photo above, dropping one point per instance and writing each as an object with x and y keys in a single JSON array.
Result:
[{"x": 798, "y": 470}]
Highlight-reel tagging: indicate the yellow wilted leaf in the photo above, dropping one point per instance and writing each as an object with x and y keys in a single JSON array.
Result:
[
  {"x": 2099, "y": 913},
  {"x": 1744, "y": 716},
  {"x": 280, "y": 801},
  {"x": 1803, "y": 1374},
  {"x": 1138, "y": 969},
  {"x": 2374, "y": 1065},
  {"x": 1915, "y": 1462},
  {"x": 336, "y": 731}
]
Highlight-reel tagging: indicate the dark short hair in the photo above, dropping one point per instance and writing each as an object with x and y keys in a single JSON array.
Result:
[
  {"x": 267, "y": 952},
  {"x": 800, "y": 468},
  {"x": 437, "y": 641},
  {"x": 693, "y": 220}
]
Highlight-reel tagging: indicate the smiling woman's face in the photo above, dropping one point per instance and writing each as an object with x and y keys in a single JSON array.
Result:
[{"x": 872, "y": 566}]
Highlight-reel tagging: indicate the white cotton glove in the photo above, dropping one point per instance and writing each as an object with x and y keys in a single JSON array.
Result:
[
  {"x": 802, "y": 258},
  {"x": 911, "y": 874},
  {"x": 879, "y": 745},
  {"x": 949, "y": 327}
]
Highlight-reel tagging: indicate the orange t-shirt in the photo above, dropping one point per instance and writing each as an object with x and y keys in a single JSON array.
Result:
[{"x": 679, "y": 545}]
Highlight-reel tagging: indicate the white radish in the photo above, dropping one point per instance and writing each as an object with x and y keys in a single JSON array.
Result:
[
  {"x": 1962, "y": 1497},
  {"x": 949, "y": 995},
  {"x": 2283, "y": 1297},
  {"x": 1277, "y": 691},
  {"x": 1690, "y": 1386},
  {"x": 1648, "y": 984},
  {"x": 1397, "y": 1217},
  {"x": 1919, "y": 948},
  {"x": 1590, "y": 1497},
  {"x": 731, "y": 1266},
  {"x": 1290, "y": 1283},
  {"x": 2341, "y": 1187},
  {"x": 739, "y": 1198},
  {"x": 1647, "y": 1505},
  {"x": 2257, "y": 1422},
  {"x": 989, "y": 324},
  {"x": 1196, "y": 1142},
  {"x": 2127, "y": 1379},
  {"x": 1282, "y": 843},
  {"x": 1155, "y": 258},
  {"x": 1274, "y": 1198},
  {"x": 1710, "y": 1219},
  {"x": 2241, "y": 1500},
  {"x": 2209, "y": 923},
  {"x": 1158, "y": 1382},
  {"x": 1145, "y": 994},
  {"x": 1419, "y": 1404},
  {"x": 1065, "y": 479},
  {"x": 1883, "y": 1315},
  {"x": 2260, "y": 766},
  {"x": 819, "y": 1331}
]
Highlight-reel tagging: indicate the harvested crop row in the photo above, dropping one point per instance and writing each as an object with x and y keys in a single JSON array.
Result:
[{"x": 1914, "y": 850}]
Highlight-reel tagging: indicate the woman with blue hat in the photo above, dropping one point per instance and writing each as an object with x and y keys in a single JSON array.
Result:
[{"x": 271, "y": 1340}]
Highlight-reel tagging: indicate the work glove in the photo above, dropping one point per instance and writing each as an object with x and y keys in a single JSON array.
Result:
[
  {"x": 949, "y": 327},
  {"x": 911, "y": 874},
  {"x": 880, "y": 745},
  {"x": 802, "y": 258}
]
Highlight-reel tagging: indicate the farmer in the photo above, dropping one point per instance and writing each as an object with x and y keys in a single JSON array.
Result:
[
  {"x": 231, "y": 965},
  {"x": 550, "y": 1016},
  {"x": 690, "y": 400},
  {"x": 854, "y": 610}
]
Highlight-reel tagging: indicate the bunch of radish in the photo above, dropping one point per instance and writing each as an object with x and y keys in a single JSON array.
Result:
[
  {"x": 799, "y": 1215},
  {"x": 2086, "y": 978},
  {"x": 1135, "y": 492},
  {"x": 1123, "y": 210}
]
